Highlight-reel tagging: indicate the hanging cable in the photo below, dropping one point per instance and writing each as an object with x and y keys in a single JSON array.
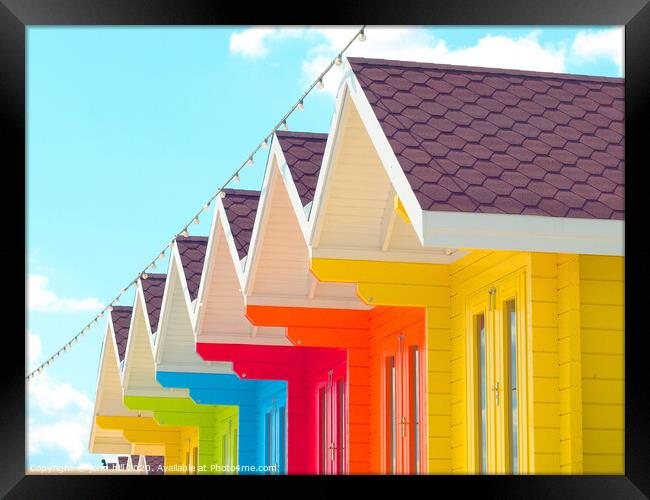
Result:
[{"x": 318, "y": 82}]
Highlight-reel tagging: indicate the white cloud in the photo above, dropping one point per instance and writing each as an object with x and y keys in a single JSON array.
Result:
[
  {"x": 52, "y": 397},
  {"x": 416, "y": 44},
  {"x": 60, "y": 417},
  {"x": 254, "y": 42},
  {"x": 605, "y": 43},
  {"x": 34, "y": 349},
  {"x": 70, "y": 436},
  {"x": 41, "y": 299}
]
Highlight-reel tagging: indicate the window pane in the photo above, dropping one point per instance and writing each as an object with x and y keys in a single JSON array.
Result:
[
  {"x": 391, "y": 415},
  {"x": 234, "y": 457},
  {"x": 268, "y": 440},
  {"x": 282, "y": 437},
  {"x": 414, "y": 417},
  {"x": 511, "y": 333},
  {"x": 340, "y": 424},
  {"x": 322, "y": 422},
  {"x": 482, "y": 392}
]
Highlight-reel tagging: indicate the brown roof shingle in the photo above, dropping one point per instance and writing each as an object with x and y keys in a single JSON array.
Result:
[
  {"x": 154, "y": 464},
  {"x": 192, "y": 251},
  {"x": 121, "y": 318},
  {"x": 303, "y": 152},
  {"x": 153, "y": 289},
  {"x": 241, "y": 207},
  {"x": 502, "y": 141}
]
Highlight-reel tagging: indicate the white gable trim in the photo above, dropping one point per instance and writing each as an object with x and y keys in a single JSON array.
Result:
[
  {"x": 220, "y": 228},
  {"x": 524, "y": 232},
  {"x": 176, "y": 277},
  {"x": 457, "y": 230}
]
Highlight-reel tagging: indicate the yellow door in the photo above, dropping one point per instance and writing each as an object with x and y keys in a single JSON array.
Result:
[{"x": 497, "y": 377}]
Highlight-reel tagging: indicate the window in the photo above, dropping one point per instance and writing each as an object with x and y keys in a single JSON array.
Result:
[
  {"x": 511, "y": 334},
  {"x": 482, "y": 392},
  {"x": 414, "y": 407},
  {"x": 268, "y": 437},
  {"x": 497, "y": 343},
  {"x": 332, "y": 422},
  {"x": 282, "y": 434},
  {"x": 195, "y": 459},
  {"x": 391, "y": 414},
  {"x": 322, "y": 428}
]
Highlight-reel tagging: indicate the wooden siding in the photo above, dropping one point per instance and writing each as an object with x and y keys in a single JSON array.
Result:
[
  {"x": 223, "y": 308},
  {"x": 602, "y": 310},
  {"x": 358, "y": 190}
]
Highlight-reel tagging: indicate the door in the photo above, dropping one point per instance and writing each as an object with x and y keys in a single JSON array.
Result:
[
  {"x": 402, "y": 408},
  {"x": 331, "y": 405},
  {"x": 275, "y": 435},
  {"x": 229, "y": 444},
  {"x": 497, "y": 374}
]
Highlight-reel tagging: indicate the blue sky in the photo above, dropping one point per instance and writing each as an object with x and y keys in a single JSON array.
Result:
[{"x": 130, "y": 130}]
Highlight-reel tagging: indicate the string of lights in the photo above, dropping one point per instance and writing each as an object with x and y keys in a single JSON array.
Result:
[{"x": 264, "y": 144}]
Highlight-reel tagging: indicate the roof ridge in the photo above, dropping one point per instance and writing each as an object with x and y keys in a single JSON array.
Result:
[
  {"x": 157, "y": 275},
  {"x": 122, "y": 308},
  {"x": 481, "y": 69},
  {"x": 192, "y": 238},
  {"x": 242, "y": 191},
  {"x": 302, "y": 135}
]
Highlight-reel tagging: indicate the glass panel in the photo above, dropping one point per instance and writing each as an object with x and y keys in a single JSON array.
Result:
[
  {"x": 268, "y": 440},
  {"x": 282, "y": 437},
  {"x": 234, "y": 458},
  {"x": 391, "y": 413},
  {"x": 414, "y": 407},
  {"x": 225, "y": 451},
  {"x": 482, "y": 392},
  {"x": 340, "y": 423},
  {"x": 322, "y": 422},
  {"x": 511, "y": 333}
]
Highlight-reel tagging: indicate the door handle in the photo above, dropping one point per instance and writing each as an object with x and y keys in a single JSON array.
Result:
[
  {"x": 403, "y": 424},
  {"x": 496, "y": 392},
  {"x": 332, "y": 447}
]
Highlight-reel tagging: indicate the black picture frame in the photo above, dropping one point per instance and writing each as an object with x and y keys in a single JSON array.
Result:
[{"x": 17, "y": 15}]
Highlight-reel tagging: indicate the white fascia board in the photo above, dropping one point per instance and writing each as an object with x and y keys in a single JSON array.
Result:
[
  {"x": 531, "y": 233},
  {"x": 238, "y": 338},
  {"x": 139, "y": 293},
  {"x": 290, "y": 186},
  {"x": 261, "y": 217},
  {"x": 137, "y": 310},
  {"x": 207, "y": 268},
  {"x": 432, "y": 256},
  {"x": 316, "y": 302},
  {"x": 386, "y": 154},
  {"x": 220, "y": 229},
  {"x": 212, "y": 367},
  {"x": 315, "y": 221},
  {"x": 230, "y": 240},
  {"x": 173, "y": 273},
  {"x": 157, "y": 393},
  {"x": 102, "y": 370}
]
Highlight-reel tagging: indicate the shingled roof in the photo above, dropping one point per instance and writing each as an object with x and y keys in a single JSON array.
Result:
[
  {"x": 121, "y": 318},
  {"x": 192, "y": 251},
  {"x": 153, "y": 289},
  {"x": 154, "y": 464},
  {"x": 502, "y": 141},
  {"x": 303, "y": 152},
  {"x": 241, "y": 207}
]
